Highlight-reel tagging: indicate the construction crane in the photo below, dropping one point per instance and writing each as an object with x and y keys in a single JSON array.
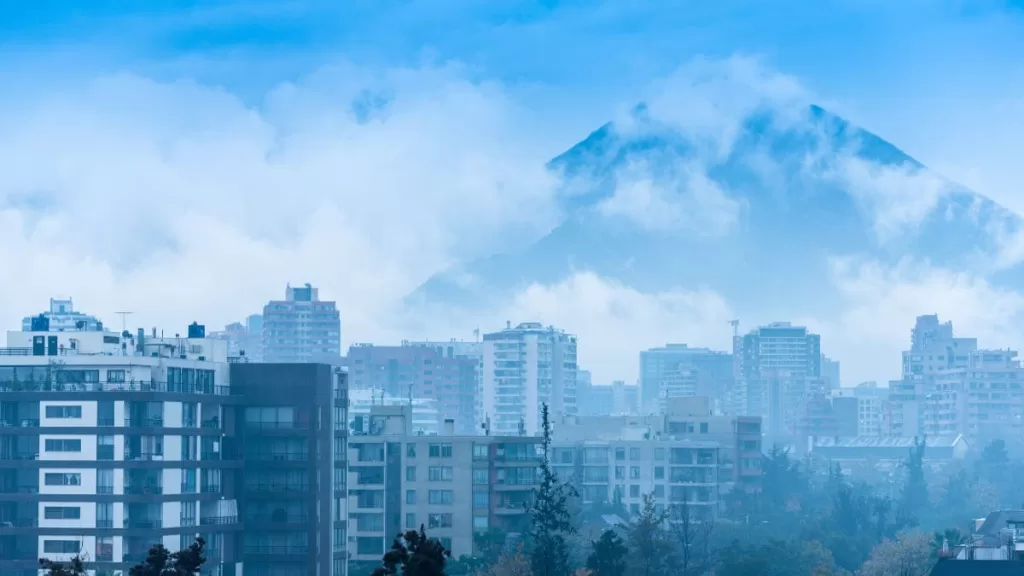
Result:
[{"x": 735, "y": 327}]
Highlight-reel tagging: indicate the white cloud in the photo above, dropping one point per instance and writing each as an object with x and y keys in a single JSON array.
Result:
[{"x": 178, "y": 201}]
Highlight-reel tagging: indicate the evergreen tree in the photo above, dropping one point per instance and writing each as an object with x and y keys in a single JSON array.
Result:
[
  {"x": 413, "y": 554},
  {"x": 161, "y": 562},
  {"x": 608, "y": 557},
  {"x": 915, "y": 492},
  {"x": 551, "y": 519},
  {"x": 74, "y": 567},
  {"x": 650, "y": 550}
]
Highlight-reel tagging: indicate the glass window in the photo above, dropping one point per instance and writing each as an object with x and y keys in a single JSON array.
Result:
[
  {"x": 63, "y": 445},
  {"x": 481, "y": 499},
  {"x": 634, "y": 453},
  {"x": 634, "y": 472},
  {"x": 410, "y": 450},
  {"x": 441, "y": 450},
  {"x": 62, "y": 546},
  {"x": 620, "y": 472},
  {"x": 634, "y": 491},
  {"x": 440, "y": 474},
  {"x": 703, "y": 427},
  {"x": 659, "y": 472},
  {"x": 480, "y": 476},
  {"x": 442, "y": 497},
  {"x": 63, "y": 411},
  {"x": 410, "y": 521},
  {"x": 410, "y": 473},
  {"x": 480, "y": 523},
  {"x": 439, "y": 520},
  {"x": 62, "y": 479},
  {"x": 410, "y": 496},
  {"x": 620, "y": 454},
  {"x": 62, "y": 513},
  {"x": 659, "y": 453},
  {"x": 480, "y": 451}
]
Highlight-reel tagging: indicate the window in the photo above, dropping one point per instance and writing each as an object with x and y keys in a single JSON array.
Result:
[
  {"x": 410, "y": 473},
  {"x": 634, "y": 453},
  {"x": 659, "y": 453},
  {"x": 481, "y": 499},
  {"x": 634, "y": 491},
  {"x": 620, "y": 453},
  {"x": 410, "y": 496},
  {"x": 63, "y": 411},
  {"x": 634, "y": 472},
  {"x": 480, "y": 523},
  {"x": 703, "y": 427},
  {"x": 63, "y": 445},
  {"x": 410, "y": 450},
  {"x": 659, "y": 490},
  {"x": 440, "y": 474},
  {"x": 480, "y": 476},
  {"x": 479, "y": 451},
  {"x": 62, "y": 513},
  {"x": 115, "y": 376},
  {"x": 659, "y": 472},
  {"x": 620, "y": 472},
  {"x": 62, "y": 546},
  {"x": 410, "y": 521},
  {"x": 443, "y": 520},
  {"x": 442, "y": 497},
  {"x": 441, "y": 450}
]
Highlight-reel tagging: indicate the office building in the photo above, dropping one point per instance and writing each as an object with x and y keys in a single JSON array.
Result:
[
  {"x": 301, "y": 328},
  {"x": 524, "y": 368},
  {"x": 428, "y": 371},
  {"x": 778, "y": 368},
  {"x": 294, "y": 427},
  {"x": 60, "y": 317},
  {"x": 677, "y": 370},
  {"x": 453, "y": 485},
  {"x": 110, "y": 443}
]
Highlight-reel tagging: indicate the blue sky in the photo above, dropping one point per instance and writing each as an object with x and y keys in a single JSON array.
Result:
[{"x": 127, "y": 126}]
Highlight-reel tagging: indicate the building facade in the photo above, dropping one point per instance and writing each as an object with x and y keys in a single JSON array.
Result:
[
  {"x": 61, "y": 316},
  {"x": 110, "y": 443},
  {"x": 245, "y": 341},
  {"x": 677, "y": 370},
  {"x": 525, "y": 367},
  {"x": 428, "y": 371},
  {"x": 293, "y": 424},
  {"x": 301, "y": 328}
]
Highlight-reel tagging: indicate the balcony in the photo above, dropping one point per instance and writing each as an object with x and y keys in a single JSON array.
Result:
[
  {"x": 287, "y": 488},
  {"x": 218, "y": 520},
  {"x": 20, "y": 423},
  {"x": 104, "y": 489},
  {"x": 278, "y": 457},
  {"x": 144, "y": 524},
  {"x": 278, "y": 518},
  {"x": 104, "y": 421},
  {"x": 144, "y": 422},
  {"x": 133, "y": 386},
  {"x": 104, "y": 523},
  {"x": 105, "y": 452},
  {"x": 147, "y": 489},
  {"x": 275, "y": 549},
  {"x": 147, "y": 456}
]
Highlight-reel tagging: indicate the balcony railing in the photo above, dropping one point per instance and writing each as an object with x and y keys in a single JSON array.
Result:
[
  {"x": 277, "y": 519},
  {"x": 278, "y": 457},
  {"x": 147, "y": 489},
  {"x": 133, "y": 386},
  {"x": 20, "y": 423},
  {"x": 268, "y": 487},
  {"x": 104, "y": 523},
  {"x": 104, "y": 489},
  {"x": 275, "y": 549},
  {"x": 143, "y": 456},
  {"x": 144, "y": 422},
  {"x": 218, "y": 520},
  {"x": 144, "y": 524},
  {"x": 7, "y": 455},
  {"x": 105, "y": 452}
]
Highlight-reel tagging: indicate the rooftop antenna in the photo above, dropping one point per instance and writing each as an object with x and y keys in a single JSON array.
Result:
[
  {"x": 735, "y": 327},
  {"x": 124, "y": 319}
]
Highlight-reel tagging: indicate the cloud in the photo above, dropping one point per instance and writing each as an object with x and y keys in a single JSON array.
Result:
[
  {"x": 179, "y": 201},
  {"x": 882, "y": 302}
]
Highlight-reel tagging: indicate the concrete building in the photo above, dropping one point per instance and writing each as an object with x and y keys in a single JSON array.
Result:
[
  {"x": 435, "y": 372},
  {"x": 678, "y": 370},
  {"x": 294, "y": 426},
  {"x": 60, "y": 317},
  {"x": 778, "y": 367},
  {"x": 245, "y": 341},
  {"x": 983, "y": 400},
  {"x": 830, "y": 373},
  {"x": 110, "y": 443},
  {"x": 525, "y": 367},
  {"x": 453, "y": 485},
  {"x": 606, "y": 400},
  {"x": 861, "y": 410},
  {"x": 301, "y": 328},
  {"x": 426, "y": 420}
]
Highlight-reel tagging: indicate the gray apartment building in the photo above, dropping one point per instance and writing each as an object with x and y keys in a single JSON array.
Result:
[
  {"x": 301, "y": 328},
  {"x": 677, "y": 370},
  {"x": 453, "y": 485}
]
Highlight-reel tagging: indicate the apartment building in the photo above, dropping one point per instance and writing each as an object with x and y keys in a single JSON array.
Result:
[
  {"x": 428, "y": 371},
  {"x": 677, "y": 370},
  {"x": 110, "y": 443},
  {"x": 293, "y": 423},
  {"x": 524, "y": 368},
  {"x": 453, "y": 485},
  {"x": 983, "y": 399},
  {"x": 301, "y": 328},
  {"x": 861, "y": 410},
  {"x": 778, "y": 367},
  {"x": 245, "y": 341},
  {"x": 59, "y": 317}
]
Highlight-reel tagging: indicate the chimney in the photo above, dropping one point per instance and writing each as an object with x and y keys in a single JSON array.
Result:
[{"x": 449, "y": 427}]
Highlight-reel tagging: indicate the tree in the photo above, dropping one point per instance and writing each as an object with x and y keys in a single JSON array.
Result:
[
  {"x": 74, "y": 567},
  {"x": 161, "y": 562},
  {"x": 909, "y": 555},
  {"x": 413, "y": 554},
  {"x": 650, "y": 550},
  {"x": 550, "y": 515},
  {"x": 608, "y": 557},
  {"x": 693, "y": 537},
  {"x": 778, "y": 558},
  {"x": 915, "y": 491},
  {"x": 511, "y": 564}
]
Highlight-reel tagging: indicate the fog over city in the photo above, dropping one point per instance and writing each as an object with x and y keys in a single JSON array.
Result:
[{"x": 799, "y": 221}]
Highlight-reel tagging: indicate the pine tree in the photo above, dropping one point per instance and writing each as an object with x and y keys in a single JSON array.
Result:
[
  {"x": 649, "y": 546},
  {"x": 413, "y": 554},
  {"x": 74, "y": 567},
  {"x": 161, "y": 562},
  {"x": 552, "y": 521},
  {"x": 608, "y": 557},
  {"x": 915, "y": 492}
]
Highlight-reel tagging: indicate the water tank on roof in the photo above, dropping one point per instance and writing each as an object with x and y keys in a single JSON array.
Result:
[
  {"x": 196, "y": 330},
  {"x": 40, "y": 324}
]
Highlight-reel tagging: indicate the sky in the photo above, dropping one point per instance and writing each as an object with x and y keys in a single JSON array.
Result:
[{"x": 184, "y": 160}]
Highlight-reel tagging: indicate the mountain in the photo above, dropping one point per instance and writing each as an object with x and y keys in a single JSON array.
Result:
[{"x": 757, "y": 210}]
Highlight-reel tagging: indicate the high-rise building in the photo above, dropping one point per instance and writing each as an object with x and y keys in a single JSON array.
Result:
[
  {"x": 245, "y": 341},
  {"x": 111, "y": 443},
  {"x": 301, "y": 328},
  {"x": 525, "y": 367},
  {"x": 778, "y": 368},
  {"x": 830, "y": 372},
  {"x": 861, "y": 410},
  {"x": 61, "y": 316},
  {"x": 603, "y": 399},
  {"x": 441, "y": 373},
  {"x": 294, "y": 422},
  {"x": 677, "y": 370}
]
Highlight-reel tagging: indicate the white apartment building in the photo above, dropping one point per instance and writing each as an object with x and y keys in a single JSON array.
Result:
[
  {"x": 110, "y": 443},
  {"x": 983, "y": 400},
  {"x": 523, "y": 368}
]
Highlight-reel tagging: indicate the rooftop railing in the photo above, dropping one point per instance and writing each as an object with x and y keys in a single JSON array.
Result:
[{"x": 132, "y": 386}]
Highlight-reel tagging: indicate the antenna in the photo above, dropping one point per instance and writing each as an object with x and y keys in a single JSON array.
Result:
[
  {"x": 124, "y": 319},
  {"x": 735, "y": 327}
]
